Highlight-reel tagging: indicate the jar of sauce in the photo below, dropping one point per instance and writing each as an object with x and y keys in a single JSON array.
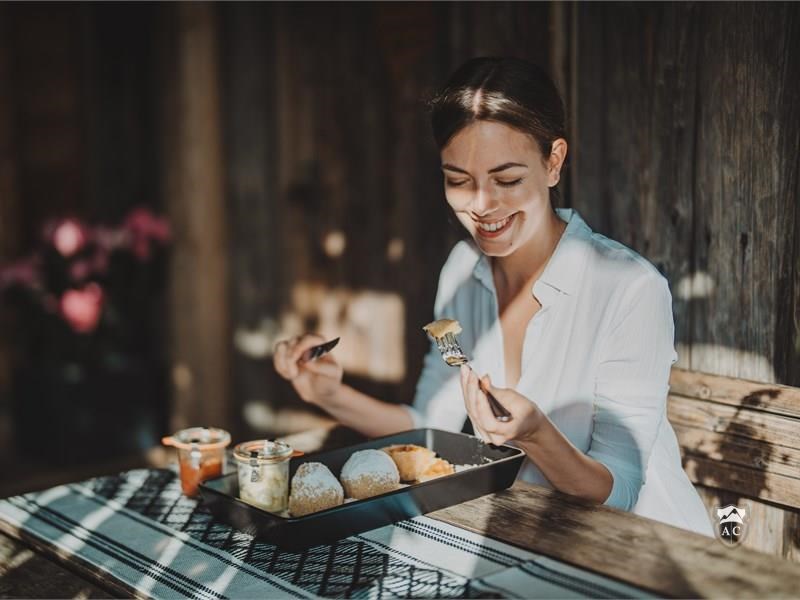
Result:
[
  {"x": 263, "y": 469},
  {"x": 201, "y": 455}
]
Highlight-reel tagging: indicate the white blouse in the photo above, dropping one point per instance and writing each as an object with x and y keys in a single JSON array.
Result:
[{"x": 596, "y": 359}]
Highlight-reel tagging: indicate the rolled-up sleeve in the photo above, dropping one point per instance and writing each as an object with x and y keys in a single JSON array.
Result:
[{"x": 631, "y": 386}]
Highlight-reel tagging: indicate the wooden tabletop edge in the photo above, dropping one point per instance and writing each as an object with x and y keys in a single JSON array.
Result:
[{"x": 716, "y": 570}]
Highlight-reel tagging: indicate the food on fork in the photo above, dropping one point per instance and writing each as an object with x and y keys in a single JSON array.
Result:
[
  {"x": 438, "y": 329},
  {"x": 369, "y": 473},
  {"x": 444, "y": 333},
  {"x": 411, "y": 460},
  {"x": 314, "y": 488}
]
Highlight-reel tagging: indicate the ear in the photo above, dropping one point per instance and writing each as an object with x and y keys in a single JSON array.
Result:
[{"x": 558, "y": 155}]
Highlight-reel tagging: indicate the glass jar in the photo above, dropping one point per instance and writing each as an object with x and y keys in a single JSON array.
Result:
[
  {"x": 263, "y": 468},
  {"x": 201, "y": 455}
]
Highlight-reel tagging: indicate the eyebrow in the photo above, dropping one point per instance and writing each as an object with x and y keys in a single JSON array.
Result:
[{"x": 503, "y": 167}]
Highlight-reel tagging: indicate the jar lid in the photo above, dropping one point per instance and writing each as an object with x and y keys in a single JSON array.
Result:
[
  {"x": 262, "y": 451},
  {"x": 203, "y": 438}
]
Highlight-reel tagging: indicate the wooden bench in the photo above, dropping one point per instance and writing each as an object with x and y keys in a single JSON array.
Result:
[{"x": 740, "y": 442}]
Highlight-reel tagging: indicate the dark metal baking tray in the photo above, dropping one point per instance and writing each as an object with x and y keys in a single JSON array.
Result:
[{"x": 497, "y": 470}]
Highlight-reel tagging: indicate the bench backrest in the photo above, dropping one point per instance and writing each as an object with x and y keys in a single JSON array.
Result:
[{"x": 740, "y": 441}]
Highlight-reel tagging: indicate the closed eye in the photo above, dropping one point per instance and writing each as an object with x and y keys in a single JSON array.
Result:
[
  {"x": 510, "y": 183},
  {"x": 454, "y": 183}
]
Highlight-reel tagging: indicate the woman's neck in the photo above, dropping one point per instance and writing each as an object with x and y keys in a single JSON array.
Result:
[{"x": 523, "y": 267}]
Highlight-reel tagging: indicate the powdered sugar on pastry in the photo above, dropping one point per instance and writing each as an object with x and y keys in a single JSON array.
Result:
[
  {"x": 369, "y": 473},
  {"x": 314, "y": 488}
]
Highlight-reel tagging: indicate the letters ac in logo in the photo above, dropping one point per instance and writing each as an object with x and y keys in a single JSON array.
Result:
[{"x": 731, "y": 524}]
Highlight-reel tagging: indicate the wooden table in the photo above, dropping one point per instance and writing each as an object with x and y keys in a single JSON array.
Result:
[{"x": 662, "y": 559}]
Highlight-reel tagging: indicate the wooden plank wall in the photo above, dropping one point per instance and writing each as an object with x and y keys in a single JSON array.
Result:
[
  {"x": 40, "y": 146},
  {"x": 321, "y": 129},
  {"x": 81, "y": 108},
  {"x": 686, "y": 150},
  {"x": 687, "y": 129},
  {"x": 194, "y": 192},
  {"x": 8, "y": 214},
  {"x": 327, "y": 136},
  {"x": 77, "y": 126}
]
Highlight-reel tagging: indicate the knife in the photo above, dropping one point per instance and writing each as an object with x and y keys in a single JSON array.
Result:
[{"x": 315, "y": 352}]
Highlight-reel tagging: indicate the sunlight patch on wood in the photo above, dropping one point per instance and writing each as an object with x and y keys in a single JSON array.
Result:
[
  {"x": 371, "y": 325},
  {"x": 697, "y": 285},
  {"x": 722, "y": 360}
]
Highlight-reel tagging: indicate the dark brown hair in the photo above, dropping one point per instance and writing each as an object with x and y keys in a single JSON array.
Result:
[{"x": 508, "y": 90}]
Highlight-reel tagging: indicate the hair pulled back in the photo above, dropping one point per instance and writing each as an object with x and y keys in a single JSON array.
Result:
[{"x": 503, "y": 89}]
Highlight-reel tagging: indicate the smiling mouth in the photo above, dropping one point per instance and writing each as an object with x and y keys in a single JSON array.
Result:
[{"x": 495, "y": 228}]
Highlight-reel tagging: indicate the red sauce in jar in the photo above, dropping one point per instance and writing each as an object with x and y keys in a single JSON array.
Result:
[
  {"x": 192, "y": 477},
  {"x": 201, "y": 454}
]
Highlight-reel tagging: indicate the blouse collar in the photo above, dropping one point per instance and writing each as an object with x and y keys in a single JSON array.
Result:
[{"x": 563, "y": 272}]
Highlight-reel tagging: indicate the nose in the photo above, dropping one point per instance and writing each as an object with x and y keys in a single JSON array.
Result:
[{"x": 483, "y": 203}]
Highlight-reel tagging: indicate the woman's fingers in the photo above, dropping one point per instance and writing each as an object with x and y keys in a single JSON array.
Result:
[
  {"x": 279, "y": 358},
  {"x": 463, "y": 373},
  {"x": 498, "y": 431},
  {"x": 484, "y": 406},
  {"x": 303, "y": 343},
  {"x": 485, "y": 413},
  {"x": 486, "y": 425},
  {"x": 486, "y": 417},
  {"x": 467, "y": 388},
  {"x": 288, "y": 353},
  {"x": 326, "y": 368},
  {"x": 471, "y": 392}
]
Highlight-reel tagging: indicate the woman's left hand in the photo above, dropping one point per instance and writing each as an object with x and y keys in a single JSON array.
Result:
[{"x": 526, "y": 417}]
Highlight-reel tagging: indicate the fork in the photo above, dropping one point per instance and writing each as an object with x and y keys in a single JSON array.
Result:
[
  {"x": 315, "y": 352},
  {"x": 454, "y": 356}
]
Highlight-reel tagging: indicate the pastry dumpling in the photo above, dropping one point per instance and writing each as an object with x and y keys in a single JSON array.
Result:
[
  {"x": 314, "y": 488},
  {"x": 411, "y": 460},
  {"x": 438, "y": 329},
  {"x": 438, "y": 468},
  {"x": 417, "y": 463},
  {"x": 369, "y": 473}
]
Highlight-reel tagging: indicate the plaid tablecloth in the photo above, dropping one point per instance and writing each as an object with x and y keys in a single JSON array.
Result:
[{"x": 138, "y": 529}]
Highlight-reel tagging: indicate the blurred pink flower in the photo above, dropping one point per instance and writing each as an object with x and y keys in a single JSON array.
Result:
[
  {"x": 109, "y": 239},
  {"x": 69, "y": 237},
  {"x": 80, "y": 270},
  {"x": 100, "y": 261},
  {"x": 82, "y": 308},
  {"x": 25, "y": 272},
  {"x": 95, "y": 264},
  {"x": 144, "y": 227}
]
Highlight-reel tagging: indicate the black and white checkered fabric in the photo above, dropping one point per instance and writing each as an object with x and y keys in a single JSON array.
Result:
[{"x": 138, "y": 529}]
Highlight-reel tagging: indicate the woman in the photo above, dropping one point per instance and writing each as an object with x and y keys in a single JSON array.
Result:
[{"x": 573, "y": 331}]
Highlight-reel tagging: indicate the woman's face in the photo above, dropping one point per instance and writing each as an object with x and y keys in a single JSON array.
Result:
[{"x": 498, "y": 184}]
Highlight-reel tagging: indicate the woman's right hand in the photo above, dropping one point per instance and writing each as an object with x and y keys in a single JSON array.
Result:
[{"x": 317, "y": 381}]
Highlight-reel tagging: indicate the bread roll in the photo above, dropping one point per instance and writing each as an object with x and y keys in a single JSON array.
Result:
[
  {"x": 369, "y": 473},
  {"x": 314, "y": 488}
]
